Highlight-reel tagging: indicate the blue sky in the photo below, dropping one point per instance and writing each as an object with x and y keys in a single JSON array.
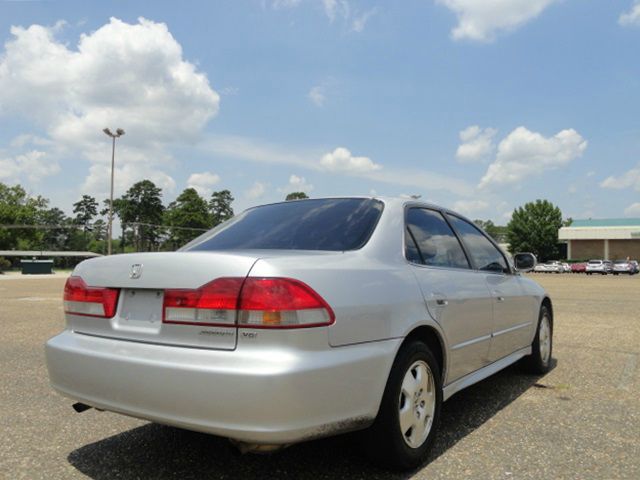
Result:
[{"x": 477, "y": 105}]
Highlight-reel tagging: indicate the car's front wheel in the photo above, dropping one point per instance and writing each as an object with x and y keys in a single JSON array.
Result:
[
  {"x": 539, "y": 361},
  {"x": 409, "y": 413}
]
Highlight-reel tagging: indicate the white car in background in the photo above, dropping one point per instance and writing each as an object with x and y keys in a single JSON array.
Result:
[
  {"x": 602, "y": 267},
  {"x": 552, "y": 266}
]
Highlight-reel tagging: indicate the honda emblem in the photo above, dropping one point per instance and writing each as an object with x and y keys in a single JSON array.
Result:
[{"x": 136, "y": 270}]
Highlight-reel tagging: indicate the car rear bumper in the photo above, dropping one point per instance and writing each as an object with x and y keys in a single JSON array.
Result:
[{"x": 264, "y": 396}]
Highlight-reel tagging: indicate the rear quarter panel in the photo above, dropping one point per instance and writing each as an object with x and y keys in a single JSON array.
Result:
[
  {"x": 536, "y": 294},
  {"x": 372, "y": 300}
]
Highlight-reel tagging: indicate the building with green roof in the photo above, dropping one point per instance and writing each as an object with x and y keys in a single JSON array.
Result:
[{"x": 605, "y": 238}]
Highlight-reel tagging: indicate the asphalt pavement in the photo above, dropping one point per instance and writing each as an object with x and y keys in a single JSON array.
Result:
[{"x": 580, "y": 421}]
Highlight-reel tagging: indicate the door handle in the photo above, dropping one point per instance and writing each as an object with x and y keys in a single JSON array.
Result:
[
  {"x": 442, "y": 302},
  {"x": 500, "y": 299}
]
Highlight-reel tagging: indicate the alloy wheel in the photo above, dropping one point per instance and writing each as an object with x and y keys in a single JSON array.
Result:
[
  {"x": 544, "y": 339},
  {"x": 417, "y": 404}
]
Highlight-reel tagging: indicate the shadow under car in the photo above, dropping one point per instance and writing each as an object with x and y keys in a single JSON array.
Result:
[{"x": 157, "y": 451}]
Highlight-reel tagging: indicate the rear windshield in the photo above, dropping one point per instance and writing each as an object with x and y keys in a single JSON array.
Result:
[
  {"x": 325, "y": 224},
  {"x": 595, "y": 262}
]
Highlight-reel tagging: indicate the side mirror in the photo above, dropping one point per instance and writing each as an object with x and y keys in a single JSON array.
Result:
[{"x": 524, "y": 262}]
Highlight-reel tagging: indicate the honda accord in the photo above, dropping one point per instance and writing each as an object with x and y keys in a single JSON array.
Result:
[{"x": 303, "y": 319}]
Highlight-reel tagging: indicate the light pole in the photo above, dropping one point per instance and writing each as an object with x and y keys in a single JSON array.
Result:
[{"x": 119, "y": 133}]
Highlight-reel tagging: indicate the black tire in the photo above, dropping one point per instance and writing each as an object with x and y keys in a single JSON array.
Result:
[
  {"x": 385, "y": 441},
  {"x": 535, "y": 363}
]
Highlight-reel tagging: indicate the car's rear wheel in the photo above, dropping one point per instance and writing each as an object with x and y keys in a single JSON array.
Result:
[
  {"x": 404, "y": 430},
  {"x": 539, "y": 361}
]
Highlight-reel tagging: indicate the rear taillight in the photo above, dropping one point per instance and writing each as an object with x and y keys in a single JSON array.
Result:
[
  {"x": 281, "y": 303},
  {"x": 255, "y": 302},
  {"x": 212, "y": 304},
  {"x": 79, "y": 299}
]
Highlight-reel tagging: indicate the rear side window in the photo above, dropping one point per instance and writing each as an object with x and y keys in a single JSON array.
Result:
[
  {"x": 338, "y": 224},
  {"x": 429, "y": 240},
  {"x": 485, "y": 255}
]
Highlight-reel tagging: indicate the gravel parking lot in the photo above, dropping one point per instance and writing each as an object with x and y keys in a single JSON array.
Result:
[{"x": 580, "y": 421}]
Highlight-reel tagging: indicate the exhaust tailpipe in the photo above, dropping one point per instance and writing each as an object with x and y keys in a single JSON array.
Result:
[
  {"x": 244, "y": 447},
  {"x": 80, "y": 407}
]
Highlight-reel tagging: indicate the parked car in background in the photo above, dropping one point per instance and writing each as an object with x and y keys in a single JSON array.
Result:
[
  {"x": 636, "y": 266},
  {"x": 552, "y": 266},
  {"x": 602, "y": 267},
  {"x": 540, "y": 268},
  {"x": 303, "y": 319},
  {"x": 578, "y": 267},
  {"x": 630, "y": 267},
  {"x": 566, "y": 267}
]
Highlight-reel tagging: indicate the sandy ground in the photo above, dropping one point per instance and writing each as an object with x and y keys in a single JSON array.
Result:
[{"x": 580, "y": 421}]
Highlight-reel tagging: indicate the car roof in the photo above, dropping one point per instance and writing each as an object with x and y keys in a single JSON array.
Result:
[{"x": 387, "y": 200}]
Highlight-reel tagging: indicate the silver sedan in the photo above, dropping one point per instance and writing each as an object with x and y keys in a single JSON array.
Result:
[{"x": 300, "y": 320}]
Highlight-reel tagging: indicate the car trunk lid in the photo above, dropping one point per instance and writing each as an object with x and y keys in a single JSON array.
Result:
[{"x": 142, "y": 281}]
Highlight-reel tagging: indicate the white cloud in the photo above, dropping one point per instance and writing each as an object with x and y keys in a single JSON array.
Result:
[
  {"x": 296, "y": 184},
  {"x": 243, "y": 148},
  {"x": 476, "y": 144},
  {"x": 630, "y": 179},
  {"x": 253, "y": 150},
  {"x": 481, "y": 20},
  {"x": 330, "y": 8},
  {"x": 33, "y": 165},
  {"x": 256, "y": 191},
  {"x": 202, "y": 182},
  {"x": 333, "y": 8},
  {"x": 229, "y": 91},
  {"x": 341, "y": 160},
  {"x": 632, "y": 17},
  {"x": 317, "y": 95},
  {"x": 354, "y": 19},
  {"x": 421, "y": 180},
  {"x": 470, "y": 207},
  {"x": 129, "y": 76},
  {"x": 278, "y": 4},
  {"x": 125, "y": 176},
  {"x": 360, "y": 21},
  {"x": 525, "y": 154},
  {"x": 633, "y": 210},
  {"x": 29, "y": 139}
]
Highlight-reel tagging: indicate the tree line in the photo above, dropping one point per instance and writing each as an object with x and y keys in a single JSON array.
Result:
[{"x": 31, "y": 223}]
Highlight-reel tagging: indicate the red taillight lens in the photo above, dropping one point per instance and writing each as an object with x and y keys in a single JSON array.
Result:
[
  {"x": 282, "y": 303},
  {"x": 257, "y": 302},
  {"x": 79, "y": 299},
  {"x": 212, "y": 304}
]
